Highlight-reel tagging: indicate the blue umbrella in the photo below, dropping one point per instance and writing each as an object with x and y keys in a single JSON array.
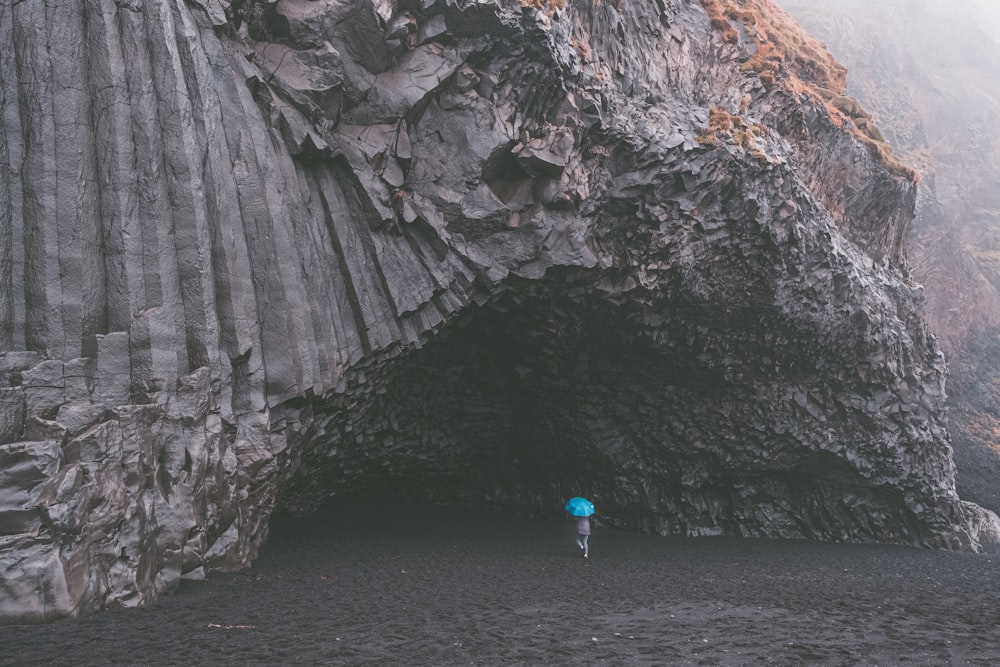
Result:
[{"x": 580, "y": 507}]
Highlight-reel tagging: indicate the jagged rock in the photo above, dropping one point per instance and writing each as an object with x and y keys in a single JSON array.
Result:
[
  {"x": 506, "y": 261},
  {"x": 938, "y": 112}
]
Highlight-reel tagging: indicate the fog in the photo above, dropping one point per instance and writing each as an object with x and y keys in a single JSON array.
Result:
[
  {"x": 986, "y": 12},
  {"x": 983, "y": 15}
]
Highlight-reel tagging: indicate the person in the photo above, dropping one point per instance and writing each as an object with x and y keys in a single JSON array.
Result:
[{"x": 583, "y": 534}]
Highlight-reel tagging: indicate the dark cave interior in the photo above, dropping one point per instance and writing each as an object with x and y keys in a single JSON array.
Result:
[{"x": 549, "y": 392}]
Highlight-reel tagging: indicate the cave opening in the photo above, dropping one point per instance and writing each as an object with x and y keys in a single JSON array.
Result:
[
  {"x": 555, "y": 388},
  {"x": 550, "y": 390}
]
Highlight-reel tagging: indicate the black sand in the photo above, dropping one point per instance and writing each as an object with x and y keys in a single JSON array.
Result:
[{"x": 360, "y": 586}]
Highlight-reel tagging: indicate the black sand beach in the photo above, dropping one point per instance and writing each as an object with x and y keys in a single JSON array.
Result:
[{"x": 361, "y": 585}]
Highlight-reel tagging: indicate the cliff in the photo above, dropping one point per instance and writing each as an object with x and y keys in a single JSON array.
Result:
[
  {"x": 927, "y": 73},
  {"x": 254, "y": 254}
]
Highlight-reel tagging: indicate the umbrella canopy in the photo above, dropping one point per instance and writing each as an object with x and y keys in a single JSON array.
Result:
[{"x": 580, "y": 507}]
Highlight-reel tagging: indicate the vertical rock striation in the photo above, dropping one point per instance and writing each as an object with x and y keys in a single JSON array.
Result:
[{"x": 263, "y": 252}]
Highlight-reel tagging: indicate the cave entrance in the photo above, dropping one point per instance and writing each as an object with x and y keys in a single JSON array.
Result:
[
  {"x": 521, "y": 405},
  {"x": 546, "y": 392},
  {"x": 673, "y": 415}
]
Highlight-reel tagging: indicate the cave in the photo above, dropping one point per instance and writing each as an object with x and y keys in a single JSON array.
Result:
[
  {"x": 520, "y": 403},
  {"x": 551, "y": 389}
]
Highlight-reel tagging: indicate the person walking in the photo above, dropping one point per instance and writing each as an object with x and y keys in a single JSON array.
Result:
[
  {"x": 583, "y": 535},
  {"x": 581, "y": 509}
]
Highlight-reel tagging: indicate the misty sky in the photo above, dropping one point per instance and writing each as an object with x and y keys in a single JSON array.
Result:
[
  {"x": 985, "y": 14},
  {"x": 986, "y": 11}
]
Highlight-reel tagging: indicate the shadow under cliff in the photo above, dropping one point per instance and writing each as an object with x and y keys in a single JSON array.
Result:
[{"x": 676, "y": 421}]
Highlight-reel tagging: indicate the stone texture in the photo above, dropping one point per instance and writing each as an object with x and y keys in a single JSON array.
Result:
[
  {"x": 262, "y": 253},
  {"x": 928, "y": 77}
]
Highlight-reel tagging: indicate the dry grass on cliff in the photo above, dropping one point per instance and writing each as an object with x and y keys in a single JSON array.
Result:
[
  {"x": 550, "y": 6},
  {"x": 725, "y": 125},
  {"x": 783, "y": 54},
  {"x": 717, "y": 15}
]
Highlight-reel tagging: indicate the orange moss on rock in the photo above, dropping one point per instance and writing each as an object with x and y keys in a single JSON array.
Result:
[
  {"x": 721, "y": 120},
  {"x": 717, "y": 16},
  {"x": 723, "y": 125},
  {"x": 550, "y": 6},
  {"x": 783, "y": 54}
]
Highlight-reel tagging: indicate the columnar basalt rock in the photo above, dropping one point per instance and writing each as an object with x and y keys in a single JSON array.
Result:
[
  {"x": 928, "y": 75},
  {"x": 259, "y": 253}
]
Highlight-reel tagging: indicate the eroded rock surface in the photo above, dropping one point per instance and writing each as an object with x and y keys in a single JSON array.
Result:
[
  {"x": 927, "y": 73},
  {"x": 259, "y": 253}
]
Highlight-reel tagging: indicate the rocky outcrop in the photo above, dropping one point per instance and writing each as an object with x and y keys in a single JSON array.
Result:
[
  {"x": 259, "y": 253},
  {"x": 927, "y": 73}
]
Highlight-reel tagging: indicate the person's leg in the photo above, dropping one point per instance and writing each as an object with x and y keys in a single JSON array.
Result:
[
  {"x": 586, "y": 546},
  {"x": 579, "y": 541}
]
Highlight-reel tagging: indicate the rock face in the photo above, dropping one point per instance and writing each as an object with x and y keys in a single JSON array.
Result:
[
  {"x": 927, "y": 73},
  {"x": 258, "y": 253}
]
